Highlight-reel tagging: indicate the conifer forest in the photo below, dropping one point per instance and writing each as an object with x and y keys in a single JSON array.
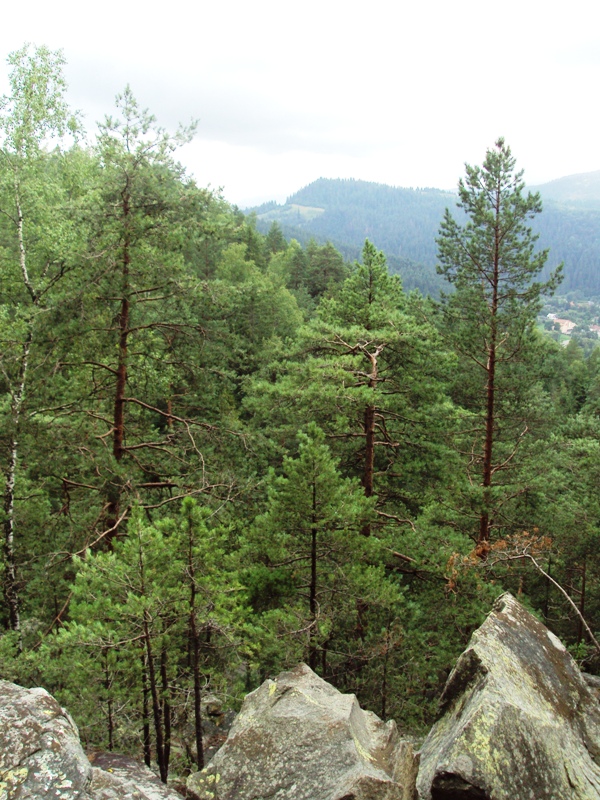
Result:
[{"x": 223, "y": 452}]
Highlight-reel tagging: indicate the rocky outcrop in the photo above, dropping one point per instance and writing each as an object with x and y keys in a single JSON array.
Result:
[
  {"x": 41, "y": 757},
  {"x": 216, "y": 724},
  {"x": 40, "y": 752},
  {"x": 518, "y": 719},
  {"x": 298, "y": 738}
]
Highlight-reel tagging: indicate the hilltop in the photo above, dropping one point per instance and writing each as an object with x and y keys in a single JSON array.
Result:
[
  {"x": 404, "y": 224},
  {"x": 580, "y": 191}
]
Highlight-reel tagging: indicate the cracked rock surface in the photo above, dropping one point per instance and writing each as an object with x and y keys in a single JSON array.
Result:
[
  {"x": 518, "y": 720},
  {"x": 41, "y": 757},
  {"x": 298, "y": 738}
]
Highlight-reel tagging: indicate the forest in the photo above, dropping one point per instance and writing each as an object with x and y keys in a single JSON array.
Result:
[
  {"x": 404, "y": 223},
  {"x": 224, "y": 452}
]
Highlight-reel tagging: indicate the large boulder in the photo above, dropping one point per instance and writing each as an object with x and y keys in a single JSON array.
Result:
[
  {"x": 41, "y": 757},
  {"x": 298, "y": 738},
  {"x": 518, "y": 720},
  {"x": 40, "y": 752}
]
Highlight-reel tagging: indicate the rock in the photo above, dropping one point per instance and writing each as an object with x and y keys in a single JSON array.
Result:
[
  {"x": 216, "y": 724},
  {"x": 593, "y": 681},
  {"x": 518, "y": 720},
  {"x": 215, "y": 729},
  {"x": 40, "y": 752},
  {"x": 211, "y": 706},
  {"x": 118, "y": 777},
  {"x": 41, "y": 757},
  {"x": 298, "y": 738}
]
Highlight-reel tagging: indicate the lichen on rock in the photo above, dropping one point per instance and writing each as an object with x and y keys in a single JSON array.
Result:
[
  {"x": 40, "y": 752},
  {"x": 41, "y": 757},
  {"x": 298, "y": 738},
  {"x": 518, "y": 720}
]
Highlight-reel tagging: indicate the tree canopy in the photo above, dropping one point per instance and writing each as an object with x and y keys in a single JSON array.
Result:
[{"x": 223, "y": 450}]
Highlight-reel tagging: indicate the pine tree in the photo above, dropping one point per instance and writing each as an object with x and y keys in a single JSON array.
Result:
[
  {"x": 309, "y": 539},
  {"x": 492, "y": 262},
  {"x": 152, "y": 623},
  {"x": 141, "y": 313},
  {"x": 368, "y": 369}
]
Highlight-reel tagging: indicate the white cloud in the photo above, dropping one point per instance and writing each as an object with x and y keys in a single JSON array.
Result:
[{"x": 286, "y": 93}]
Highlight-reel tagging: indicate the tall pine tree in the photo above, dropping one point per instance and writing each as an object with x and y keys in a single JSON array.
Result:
[{"x": 492, "y": 262}]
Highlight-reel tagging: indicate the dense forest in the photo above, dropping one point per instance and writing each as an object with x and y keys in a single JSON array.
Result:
[
  {"x": 224, "y": 452},
  {"x": 404, "y": 223}
]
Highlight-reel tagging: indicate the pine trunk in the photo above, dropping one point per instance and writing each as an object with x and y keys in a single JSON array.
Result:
[
  {"x": 312, "y": 646},
  {"x": 122, "y": 363},
  {"x": 156, "y": 709},
  {"x": 490, "y": 420}
]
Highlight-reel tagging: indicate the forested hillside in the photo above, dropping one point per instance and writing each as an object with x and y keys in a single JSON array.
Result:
[
  {"x": 580, "y": 191},
  {"x": 404, "y": 223},
  {"x": 222, "y": 452}
]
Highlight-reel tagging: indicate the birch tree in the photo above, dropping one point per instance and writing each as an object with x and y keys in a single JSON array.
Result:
[{"x": 33, "y": 261}]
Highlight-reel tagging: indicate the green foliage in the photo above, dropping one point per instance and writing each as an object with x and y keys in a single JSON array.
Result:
[
  {"x": 36, "y": 110},
  {"x": 156, "y": 347},
  {"x": 315, "y": 573},
  {"x": 491, "y": 261},
  {"x": 130, "y": 616},
  {"x": 495, "y": 245},
  {"x": 274, "y": 240},
  {"x": 370, "y": 298},
  {"x": 368, "y": 351},
  {"x": 39, "y": 243}
]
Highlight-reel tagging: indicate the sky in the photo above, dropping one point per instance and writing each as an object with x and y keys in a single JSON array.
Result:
[{"x": 288, "y": 92}]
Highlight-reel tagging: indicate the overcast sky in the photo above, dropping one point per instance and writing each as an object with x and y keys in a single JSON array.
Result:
[{"x": 287, "y": 92}]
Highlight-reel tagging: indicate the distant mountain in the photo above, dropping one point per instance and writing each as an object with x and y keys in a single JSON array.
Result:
[
  {"x": 570, "y": 227},
  {"x": 582, "y": 190},
  {"x": 394, "y": 219},
  {"x": 401, "y": 222},
  {"x": 404, "y": 223}
]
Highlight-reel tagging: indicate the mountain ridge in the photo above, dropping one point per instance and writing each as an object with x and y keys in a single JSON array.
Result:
[
  {"x": 580, "y": 189},
  {"x": 404, "y": 223}
]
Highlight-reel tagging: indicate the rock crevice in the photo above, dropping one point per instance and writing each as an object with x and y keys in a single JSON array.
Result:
[
  {"x": 522, "y": 724},
  {"x": 518, "y": 721}
]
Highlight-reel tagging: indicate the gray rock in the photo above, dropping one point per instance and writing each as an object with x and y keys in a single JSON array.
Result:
[
  {"x": 216, "y": 724},
  {"x": 41, "y": 757},
  {"x": 118, "y": 777},
  {"x": 40, "y": 752},
  {"x": 518, "y": 720},
  {"x": 593, "y": 682},
  {"x": 298, "y": 738}
]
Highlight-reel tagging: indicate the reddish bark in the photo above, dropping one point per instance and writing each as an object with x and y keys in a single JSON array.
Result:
[
  {"x": 119, "y": 409},
  {"x": 312, "y": 649},
  {"x": 490, "y": 420},
  {"x": 121, "y": 370},
  {"x": 369, "y": 433}
]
